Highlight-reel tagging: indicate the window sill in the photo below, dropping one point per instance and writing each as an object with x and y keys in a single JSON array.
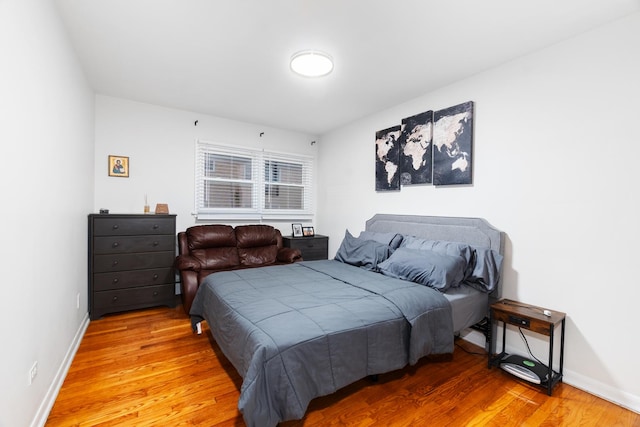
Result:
[{"x": 255, "y": 217}]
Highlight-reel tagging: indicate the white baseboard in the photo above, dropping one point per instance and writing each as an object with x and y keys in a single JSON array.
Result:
[
  {"x": 586, "y": 384},
  {"x": 50, "y": 398},
  {"x": 604, "y": 391}
]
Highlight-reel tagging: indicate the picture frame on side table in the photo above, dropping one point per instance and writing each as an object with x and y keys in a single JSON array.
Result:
[
  {"x": 297, "y": 229},
  {"x": 308, "y": 232}
]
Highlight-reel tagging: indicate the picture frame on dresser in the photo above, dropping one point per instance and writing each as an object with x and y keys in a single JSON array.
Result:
[
  {"x": 308, "y": 232},
  {"x": 296, "y": 229}
]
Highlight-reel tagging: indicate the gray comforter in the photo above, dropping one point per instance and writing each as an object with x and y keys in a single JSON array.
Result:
[{"x": 300, "y": 331}]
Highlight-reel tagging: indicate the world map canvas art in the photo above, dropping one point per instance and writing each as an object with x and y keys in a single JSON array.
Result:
[
  {"x": 388, "y": 159},
  {"x": 416, "y": 162},
  {"x": 429, "y": 147},
  {"x": 452, "y": 144}
]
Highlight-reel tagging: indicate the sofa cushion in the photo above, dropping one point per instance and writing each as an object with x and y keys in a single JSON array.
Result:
[
  {"x": 252, "y": 236},
  {"x": 253, "y": 257},
  {"x": 257, "y": 244},
  {"x": 217, "y": 258},
  {"x": 210, "y": 236},
  {"x": 214, "y": 246}
]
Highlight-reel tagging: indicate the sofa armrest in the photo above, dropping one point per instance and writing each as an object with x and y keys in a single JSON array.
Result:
[
  {"x": 289, "y": 255},
  {"x": 187, "y": 262},
  {"x": 189, "y": 287}
]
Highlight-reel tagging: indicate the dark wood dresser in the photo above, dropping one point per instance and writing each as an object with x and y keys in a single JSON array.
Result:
[
  {"x": 312, "y": 248},
  {"x": 130, "y": 262}
]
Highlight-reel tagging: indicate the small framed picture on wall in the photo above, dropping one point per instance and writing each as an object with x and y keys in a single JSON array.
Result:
[{"x": 119, "y": 166}]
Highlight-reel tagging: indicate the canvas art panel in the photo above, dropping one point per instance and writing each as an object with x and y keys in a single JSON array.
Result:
[
  {"x": 388, "y": 159},
  {"x": 452, "y": 145},
  {"x": 416, "y": 161}
]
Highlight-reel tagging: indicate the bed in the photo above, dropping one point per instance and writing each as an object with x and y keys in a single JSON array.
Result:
[{"x": 397, "y": 292}]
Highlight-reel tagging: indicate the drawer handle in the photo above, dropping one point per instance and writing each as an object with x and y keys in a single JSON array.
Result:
[
  {"x": 115, "y": 244},
  {"x": 155, "y": 276},
  {"x": 116, "y": 280},
  {"x": 114, "y": 263},
  {"x": 115, "y": 298},
  {"x": 156, "y": 226},
  {"x": 116, "y": 226},
  {"x": 155, "y": 293},
  {"x": 156, "y": 243}
]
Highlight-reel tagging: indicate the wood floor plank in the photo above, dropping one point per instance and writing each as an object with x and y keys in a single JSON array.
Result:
[{"x": 147, "y": 368}]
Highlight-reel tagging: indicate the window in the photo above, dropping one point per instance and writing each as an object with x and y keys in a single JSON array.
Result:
[
  {"x": 284, "y": 186},
  {"x": 239, "y": 183},
  {"x": 227, "y": 182}
]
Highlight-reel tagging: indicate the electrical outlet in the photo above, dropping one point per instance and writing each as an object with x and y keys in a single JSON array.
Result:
[
  {"x": 33, "y": 372},
  {"x": 78, "y": 300}
]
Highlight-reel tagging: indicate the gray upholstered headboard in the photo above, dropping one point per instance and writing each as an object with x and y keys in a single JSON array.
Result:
[{"x": 472, "y": 231}]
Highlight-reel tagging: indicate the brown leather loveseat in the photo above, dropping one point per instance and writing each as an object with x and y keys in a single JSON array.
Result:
[{"x": 206, "y": 249}]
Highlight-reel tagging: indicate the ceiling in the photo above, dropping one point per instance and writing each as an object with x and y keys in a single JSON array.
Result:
[{"x": 230, "y": 58}]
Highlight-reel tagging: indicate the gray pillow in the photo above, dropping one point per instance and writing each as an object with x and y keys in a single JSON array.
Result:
[
  {"x": 486, "y": 272},
  {"x": 362, "y": 253},
  {"x": 463, "y": 250},
  {"x": 391, "y": 239},
  {"x": 430, "y": 268}
]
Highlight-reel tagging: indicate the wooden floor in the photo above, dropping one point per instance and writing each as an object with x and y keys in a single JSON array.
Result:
[{"x": 146, "y": 368}]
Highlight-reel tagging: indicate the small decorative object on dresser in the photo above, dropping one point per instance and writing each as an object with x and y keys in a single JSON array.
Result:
[
  {"x": 313, "y": 248},
  {"x": 130, "y": 262},
  {"x": 162, "y": 208},
  {"x": 308, "y": 232}
]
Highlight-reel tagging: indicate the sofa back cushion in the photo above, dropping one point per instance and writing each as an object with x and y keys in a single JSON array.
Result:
[
  {"x": 214, "y": 246},
  {"x": 257, "y": 244}
]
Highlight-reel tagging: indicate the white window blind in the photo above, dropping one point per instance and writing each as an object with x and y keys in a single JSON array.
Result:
[{"x": 241, "y": 183}]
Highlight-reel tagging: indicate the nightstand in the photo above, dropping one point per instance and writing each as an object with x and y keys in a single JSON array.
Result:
[
  {"x": 533, "y": 318},
  {"x": 312, "y": 248}
]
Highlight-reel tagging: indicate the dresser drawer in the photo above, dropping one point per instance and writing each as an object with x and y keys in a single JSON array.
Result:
[
  {"x": 313, "y": 254},
  {"x": 135, "y": 261},
  {"x": 123, "y": 298},
  {"x": 132, "y": 278},
  {"x": 123, "y": 244},
  {"x": 116, "y": 226}
]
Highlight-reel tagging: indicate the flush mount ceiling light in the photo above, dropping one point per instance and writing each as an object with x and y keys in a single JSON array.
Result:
[{"x": 311, "y": 63}]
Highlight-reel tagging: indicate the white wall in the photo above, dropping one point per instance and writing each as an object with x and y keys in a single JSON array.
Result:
[
  {"x": 46, "y": 137},
  {"x": 556, "y": 141},
  {"x": 160, "y": 144}
]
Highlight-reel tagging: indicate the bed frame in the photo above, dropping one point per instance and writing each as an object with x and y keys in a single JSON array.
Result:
[{"x": 472, "y": 231}]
